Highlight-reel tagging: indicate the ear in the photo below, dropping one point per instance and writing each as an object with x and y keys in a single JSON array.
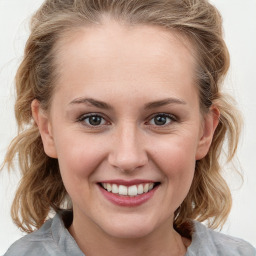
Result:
[
  {"x": 210, "y": 122},
  {"x": 45, "y": 128}
]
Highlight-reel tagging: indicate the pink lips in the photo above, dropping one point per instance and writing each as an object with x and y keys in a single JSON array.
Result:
[
  {"x": 128, "y": 201},
  {"x": 127, "y": 182}
]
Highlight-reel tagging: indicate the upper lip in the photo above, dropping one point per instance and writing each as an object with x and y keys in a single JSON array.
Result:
[{"x": 127, "y": 182}]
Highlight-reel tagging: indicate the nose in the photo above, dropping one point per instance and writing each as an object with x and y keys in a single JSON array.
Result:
[{"x": 127, "y": 151}]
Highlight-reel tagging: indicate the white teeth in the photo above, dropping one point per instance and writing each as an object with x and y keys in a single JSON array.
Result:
[
  {"x": 123, "y": 190},
  {"x": 115, "y": 189},
  {"x": 145, "y": 189},
  {"x": 109, "y": 187},
  {"x": 140, "y": 189},
  {"x": 133, "y": 190}
]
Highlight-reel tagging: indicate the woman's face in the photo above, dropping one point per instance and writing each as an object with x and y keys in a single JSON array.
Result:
[{"x": 125, "y": 117}]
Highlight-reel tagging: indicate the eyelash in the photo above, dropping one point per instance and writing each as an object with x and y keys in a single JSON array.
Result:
[
  {"x": 165, "y": 115},
  {"x": 84, "y": 117}
]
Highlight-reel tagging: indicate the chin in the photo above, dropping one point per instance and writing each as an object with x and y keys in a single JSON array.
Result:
[{"x": 129, "y": 229}]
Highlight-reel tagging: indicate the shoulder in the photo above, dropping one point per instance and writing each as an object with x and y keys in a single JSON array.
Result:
[
  {"x": 34, "y": 243},
  {"x": 209, "y": 242},
  {"x": 51, "y": 239}
]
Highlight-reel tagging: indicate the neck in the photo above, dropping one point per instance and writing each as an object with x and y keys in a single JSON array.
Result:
[{"x": 94, "y": 241}]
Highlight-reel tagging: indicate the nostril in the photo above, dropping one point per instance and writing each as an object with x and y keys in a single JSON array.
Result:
[
  {"x": 127, "y": 163},
  {"x": 127, "y": 160},
  {"x": 127, "y": 150}
]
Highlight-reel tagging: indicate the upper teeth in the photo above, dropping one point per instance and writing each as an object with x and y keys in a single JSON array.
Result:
[{"x": 133, "y": 190}]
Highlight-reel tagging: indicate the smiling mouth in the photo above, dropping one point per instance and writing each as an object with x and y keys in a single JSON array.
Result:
[{"x": 129, "y": 191}]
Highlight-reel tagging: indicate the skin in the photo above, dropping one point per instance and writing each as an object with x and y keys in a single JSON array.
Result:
[{"x": 136, "y": 66}]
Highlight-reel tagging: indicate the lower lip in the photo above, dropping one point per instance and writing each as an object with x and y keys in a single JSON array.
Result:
[{"x": 128, "y": 201}]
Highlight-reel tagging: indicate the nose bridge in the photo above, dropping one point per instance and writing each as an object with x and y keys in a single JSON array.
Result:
[{"x": 128, "y": 152}]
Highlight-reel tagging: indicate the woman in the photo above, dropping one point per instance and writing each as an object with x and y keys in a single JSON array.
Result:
[{"x": 122, "y": 123}]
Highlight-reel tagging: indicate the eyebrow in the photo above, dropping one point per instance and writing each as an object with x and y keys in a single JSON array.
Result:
[
  {"x": 90, "y": 101},
  {"x": 150, "y": 105},
  {"x": 160, "y": 103}
]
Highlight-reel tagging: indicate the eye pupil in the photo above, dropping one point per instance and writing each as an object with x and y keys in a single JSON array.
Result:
[
  {"x": 94, "y": 120},
  {"x": 160, "y": 120}
]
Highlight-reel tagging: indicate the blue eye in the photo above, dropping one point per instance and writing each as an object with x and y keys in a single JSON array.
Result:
[
  {"x": 93, "y": 120},
  {"x": 162, "y": 119}
]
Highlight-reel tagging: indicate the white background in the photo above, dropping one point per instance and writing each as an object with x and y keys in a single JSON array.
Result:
[{"x": 240, "y": 34}]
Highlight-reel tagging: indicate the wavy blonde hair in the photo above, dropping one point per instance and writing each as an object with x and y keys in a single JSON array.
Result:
[{"x": 41, "y": 188}]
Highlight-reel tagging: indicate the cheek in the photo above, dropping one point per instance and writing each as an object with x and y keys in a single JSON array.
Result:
[
  {"x": 179, "y": 153},
  {"x": 78, "y": 156},
  {"x": 176, "y": 159}
]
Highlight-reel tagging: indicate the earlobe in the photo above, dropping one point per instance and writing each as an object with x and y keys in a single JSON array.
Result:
[
  {"x": 211, "y": 121},
  {"x": 44, "y": 125}
]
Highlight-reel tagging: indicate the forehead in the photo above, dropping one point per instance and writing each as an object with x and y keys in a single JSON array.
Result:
[{"x": 112, "y": 53}]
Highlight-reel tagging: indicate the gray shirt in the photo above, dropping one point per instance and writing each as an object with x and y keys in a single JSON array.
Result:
[{"x": 54, "y": 239}]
